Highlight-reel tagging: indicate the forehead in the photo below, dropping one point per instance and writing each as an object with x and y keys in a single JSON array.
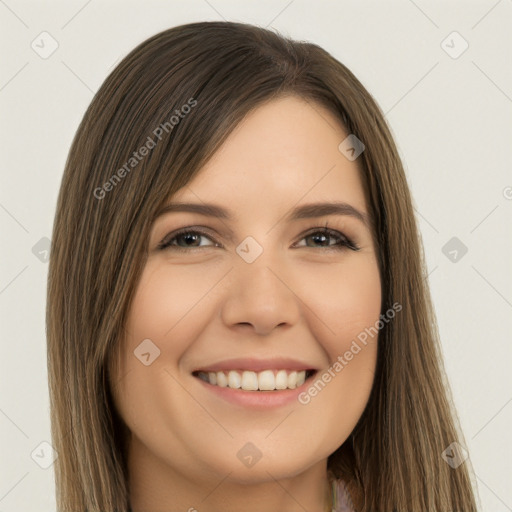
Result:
[{"x": 283, "y": 152}]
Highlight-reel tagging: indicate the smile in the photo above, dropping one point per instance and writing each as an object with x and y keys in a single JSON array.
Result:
[{"x": 246, "y": 380}]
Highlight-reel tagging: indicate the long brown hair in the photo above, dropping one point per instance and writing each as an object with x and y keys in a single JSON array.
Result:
[{"x": 222, "y": 70}]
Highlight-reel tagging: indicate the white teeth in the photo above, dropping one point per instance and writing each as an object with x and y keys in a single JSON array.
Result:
[
  {"x": 249, "y": 381},
  {"x": 222, "y": 380},
  {"x": 281, "y": 379},
  {"x": 234, "y": 380},
  {"x": 265, "y": 380}
]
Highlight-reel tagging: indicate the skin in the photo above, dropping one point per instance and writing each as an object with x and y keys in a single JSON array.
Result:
[{"x": 299, "y": 298}]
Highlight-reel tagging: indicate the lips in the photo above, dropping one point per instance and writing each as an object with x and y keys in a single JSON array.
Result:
[{"x": 256, "y": 365}]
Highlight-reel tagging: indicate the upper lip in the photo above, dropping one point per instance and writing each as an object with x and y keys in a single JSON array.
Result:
[{"x": 256, "y": 365}]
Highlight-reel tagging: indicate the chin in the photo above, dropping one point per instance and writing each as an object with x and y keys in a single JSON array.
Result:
[{"x": 262, "y": 468}]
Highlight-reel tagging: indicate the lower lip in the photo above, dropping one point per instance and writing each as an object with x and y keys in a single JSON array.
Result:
[{"x": 257, "y": 399}]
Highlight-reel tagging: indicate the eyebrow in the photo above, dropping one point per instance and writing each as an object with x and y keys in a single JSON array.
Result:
[{"x": 307, "y": 211}]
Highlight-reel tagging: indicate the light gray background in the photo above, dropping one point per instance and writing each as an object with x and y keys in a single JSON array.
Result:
[{"x": 452, "y": 121}]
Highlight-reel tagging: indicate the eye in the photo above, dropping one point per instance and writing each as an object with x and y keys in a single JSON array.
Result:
[
  {"x": 188, "y": 236},
  {"x": 324, "y": 236}
]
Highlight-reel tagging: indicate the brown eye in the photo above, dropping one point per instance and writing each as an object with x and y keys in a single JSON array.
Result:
[
  {"x": 185, "y": 239},
  {"x": 323, "y": 238}
]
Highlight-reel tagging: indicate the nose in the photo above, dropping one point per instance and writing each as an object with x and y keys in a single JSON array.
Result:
[{"x": 259, "y": 297}]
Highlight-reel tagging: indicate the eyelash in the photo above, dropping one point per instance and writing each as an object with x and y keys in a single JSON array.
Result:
[{"x": 344, "y": 241}]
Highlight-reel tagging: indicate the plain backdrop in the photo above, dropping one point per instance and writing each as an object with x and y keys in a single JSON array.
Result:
[{"x": 449, "y": 108}]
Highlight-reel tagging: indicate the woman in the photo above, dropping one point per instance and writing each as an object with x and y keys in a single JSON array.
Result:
[{"x": 238, "y": 316}]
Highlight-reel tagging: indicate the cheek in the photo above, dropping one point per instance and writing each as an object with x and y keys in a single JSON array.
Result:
[
  {"x": 169, "y": 304},
  {"x": 349, "y": 306},
  {"x": 346, "y": 298},
  {"x": 166, "y": 300}
]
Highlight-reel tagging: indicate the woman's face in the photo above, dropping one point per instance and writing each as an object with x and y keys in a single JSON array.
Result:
[{"x": 259, "y": 290}]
